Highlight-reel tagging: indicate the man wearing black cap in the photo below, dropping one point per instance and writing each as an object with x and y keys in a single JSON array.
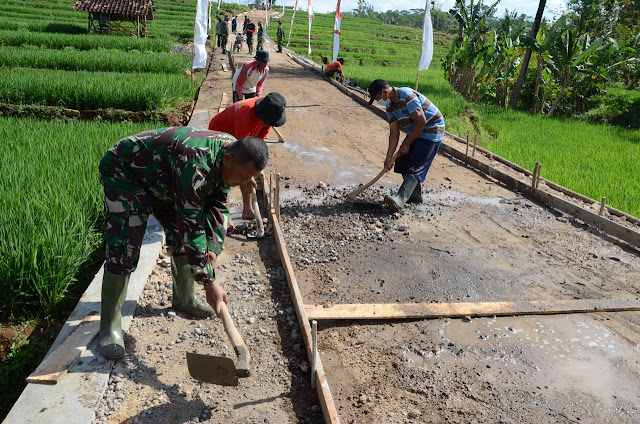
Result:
[
  {"x": 424, "y": 125},
  {"x": 251, "y": 117},
  {"x": 247, "y": 82}
]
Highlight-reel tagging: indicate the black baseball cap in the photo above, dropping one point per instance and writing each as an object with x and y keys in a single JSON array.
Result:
[
  {"x": 262, "y": 56},
  {"x": 271, "y": 109},
  {"x": 376, "y": 87}
]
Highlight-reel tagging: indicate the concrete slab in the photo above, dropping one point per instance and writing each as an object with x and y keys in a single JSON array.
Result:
[{"x": 76, "y": 396}]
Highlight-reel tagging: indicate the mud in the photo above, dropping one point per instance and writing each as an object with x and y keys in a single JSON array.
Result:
[{"x": 472, "y": 240}]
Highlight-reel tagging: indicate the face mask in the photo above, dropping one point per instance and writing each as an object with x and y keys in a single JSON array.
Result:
[{"x": 384, "y": 103}]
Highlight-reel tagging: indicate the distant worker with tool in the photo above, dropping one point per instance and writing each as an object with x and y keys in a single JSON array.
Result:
[
  {"x": 334, "y": 68},
  {"x": 251, "y": 28},
  {"x": 219, "y": 31},
  {"x": 280, "y": 35},
  {"x": 423, "y": 122},
  {"x": 182, "y": 176},
  {"x": 251, "y": 117},
  {"x": 248, "y": 80}
]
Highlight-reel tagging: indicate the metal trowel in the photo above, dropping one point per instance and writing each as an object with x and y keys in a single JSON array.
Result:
[{"x": 221, "y": 370}]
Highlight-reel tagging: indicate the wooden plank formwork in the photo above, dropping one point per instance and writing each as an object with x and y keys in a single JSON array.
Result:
[{"x": 323, "y": 391}]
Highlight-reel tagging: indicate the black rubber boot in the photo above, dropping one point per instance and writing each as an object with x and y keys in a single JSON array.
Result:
[
  {"x": 184, "y": 293},
  {"x": 416, "y": 196},
  {"x": 404, "y": 192},
  {"x": 114, "y": 292}
]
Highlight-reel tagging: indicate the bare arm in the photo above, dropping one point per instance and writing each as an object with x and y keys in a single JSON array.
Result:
[{"x": 394, "y": 136}]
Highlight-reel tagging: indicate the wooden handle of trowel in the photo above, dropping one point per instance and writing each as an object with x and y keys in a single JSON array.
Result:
[
  {"x": 279, "y": 134},
  {"x": 256, "y": 212},
  {"x": 359, "y": 190},
  {"x": 243, "y": 364}
]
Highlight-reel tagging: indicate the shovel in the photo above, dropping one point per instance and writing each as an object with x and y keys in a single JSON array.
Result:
[
  {"x": 222, "y": 370},
  {"x": 351, "y": 197}
]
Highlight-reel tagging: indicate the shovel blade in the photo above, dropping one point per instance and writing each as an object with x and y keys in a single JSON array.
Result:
[{"x": 212, "y": 369}]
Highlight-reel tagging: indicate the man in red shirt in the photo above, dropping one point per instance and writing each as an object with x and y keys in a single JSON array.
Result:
[
  {"x": 334, "y": 68},
  {"x": 251, "y": 117}
]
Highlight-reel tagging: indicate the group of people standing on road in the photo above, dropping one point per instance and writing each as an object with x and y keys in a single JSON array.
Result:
[
  {"x": 248, "y": 31},
  {"x": 183, "y": 175}
]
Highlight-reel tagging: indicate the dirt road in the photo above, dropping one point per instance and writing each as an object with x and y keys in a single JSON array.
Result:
[{"x": 472, "y": 240}]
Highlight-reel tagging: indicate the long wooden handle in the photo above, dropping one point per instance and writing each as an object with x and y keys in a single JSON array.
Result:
[
  {"x": 256, "y": 212},
  {"x": 279, "y": 134},
  {"x": 243, "y": 364},
  {"x": 359, "y": 190}
]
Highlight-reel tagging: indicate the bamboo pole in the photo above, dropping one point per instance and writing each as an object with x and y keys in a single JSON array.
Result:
[{"x": 602, "y": 205}]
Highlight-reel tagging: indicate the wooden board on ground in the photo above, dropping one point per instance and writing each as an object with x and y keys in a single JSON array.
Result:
[
  {"x": 224, "y": 67},
  {"x": 460, "y": 310},
  {"x": 223, "y": 102},
  {"x": 67, "y": 353}
]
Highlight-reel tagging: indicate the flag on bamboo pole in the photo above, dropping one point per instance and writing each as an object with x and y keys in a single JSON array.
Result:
[
  {"x": 336, "y": 33},
  {"x": 311, "y": 16},
  {"x": 292, "y": 18},
  {"x": 427, "y": 40},
  {"x": 200, "y": 35}
]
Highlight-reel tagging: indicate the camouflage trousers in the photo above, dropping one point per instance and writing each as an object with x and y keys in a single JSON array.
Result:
[
  {"x": 127, "y": 207},
  {"x": 250, "y": 43},
  {"x": 260, "y": 44},
  {"x": 280, "y": 44}
]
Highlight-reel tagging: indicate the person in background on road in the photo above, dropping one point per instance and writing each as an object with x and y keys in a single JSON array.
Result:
[
  {"x": 424, "y": 124},
  {"x": 334, "y": 70},
  {"x": 234, "y": 23},
  {"x": 251, "y": 28},
  {"x": 238, "y": 43},
  {"x": 252, "y": 117},
  {"x": 280, "y": 35},
  {"x": 244, "y": 24},
  {"x": 247, "y": 82},
  {"x": 260, "y": 42},
  {"x": 182, "y": 176},
  {"x": 224, "y": 34},
  {"x": 219, "y": 31}
]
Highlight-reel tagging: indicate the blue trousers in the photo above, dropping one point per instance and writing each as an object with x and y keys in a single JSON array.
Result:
[{"x": 419, "y": 160}]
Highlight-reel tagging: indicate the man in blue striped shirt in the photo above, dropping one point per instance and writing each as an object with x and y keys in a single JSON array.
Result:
[{"x": 423, "y": 123}]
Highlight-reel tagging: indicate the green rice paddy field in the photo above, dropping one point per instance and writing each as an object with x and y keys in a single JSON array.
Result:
[
  {"x": 50, "y": 195},
  {"x": 595, "y": 160}
]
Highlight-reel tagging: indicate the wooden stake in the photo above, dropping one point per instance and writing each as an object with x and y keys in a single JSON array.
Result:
[
  {"x": 271, "y": 192},
  {"x": 536, "y": 170},
  {"x": 602, "y": 205},
  {"x": 277, "y": 194},
  {"x": 314, "y": 341},
  {"x": 467, "y": 152},
  {"x": 473, "y": 152}
]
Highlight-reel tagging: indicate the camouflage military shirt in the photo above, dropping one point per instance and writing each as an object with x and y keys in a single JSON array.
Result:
[{"x": 176, "y": 173}]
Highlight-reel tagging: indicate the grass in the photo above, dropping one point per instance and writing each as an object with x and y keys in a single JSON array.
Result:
[
  {"x": 100, "y": 60},
  {"x": 592, "y": 159},
  {"x": 95, "y": 90},
  {"x": 51, "y": 204}
]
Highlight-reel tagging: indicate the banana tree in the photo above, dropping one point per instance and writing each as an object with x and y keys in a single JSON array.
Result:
[{"x": 569, "y": 58}]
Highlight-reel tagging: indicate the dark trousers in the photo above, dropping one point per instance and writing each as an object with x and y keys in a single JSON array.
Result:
[
  {"x": 332, "y": 72},
  {"x": 245, "y": 95}
]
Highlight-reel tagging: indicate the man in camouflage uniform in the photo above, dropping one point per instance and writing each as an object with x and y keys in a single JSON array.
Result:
[
  {"x": 260, "y": 43},
  {"x": 224, "y": 34},
  {"x": 280, "y": 35},
  {"x": 251, "y": 28},
  {"x": 182, "y": 175}
]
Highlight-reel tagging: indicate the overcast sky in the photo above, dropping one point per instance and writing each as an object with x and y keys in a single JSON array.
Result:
[{"x": 528, "y": 7}]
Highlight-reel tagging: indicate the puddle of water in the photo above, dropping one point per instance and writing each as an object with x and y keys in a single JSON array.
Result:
[
  {"x": 568, "y": 353},
  {"x": 327, "y": 161},
  {"x": 453, "y": 198}
]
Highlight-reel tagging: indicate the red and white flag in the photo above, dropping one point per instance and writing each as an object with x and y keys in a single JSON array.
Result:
[
  {"x": 336, "y": 33},
  {"x": 292, "y": 18},
  {"x": 427, "y": 40},
  {"x": 311, "y": 16}
]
